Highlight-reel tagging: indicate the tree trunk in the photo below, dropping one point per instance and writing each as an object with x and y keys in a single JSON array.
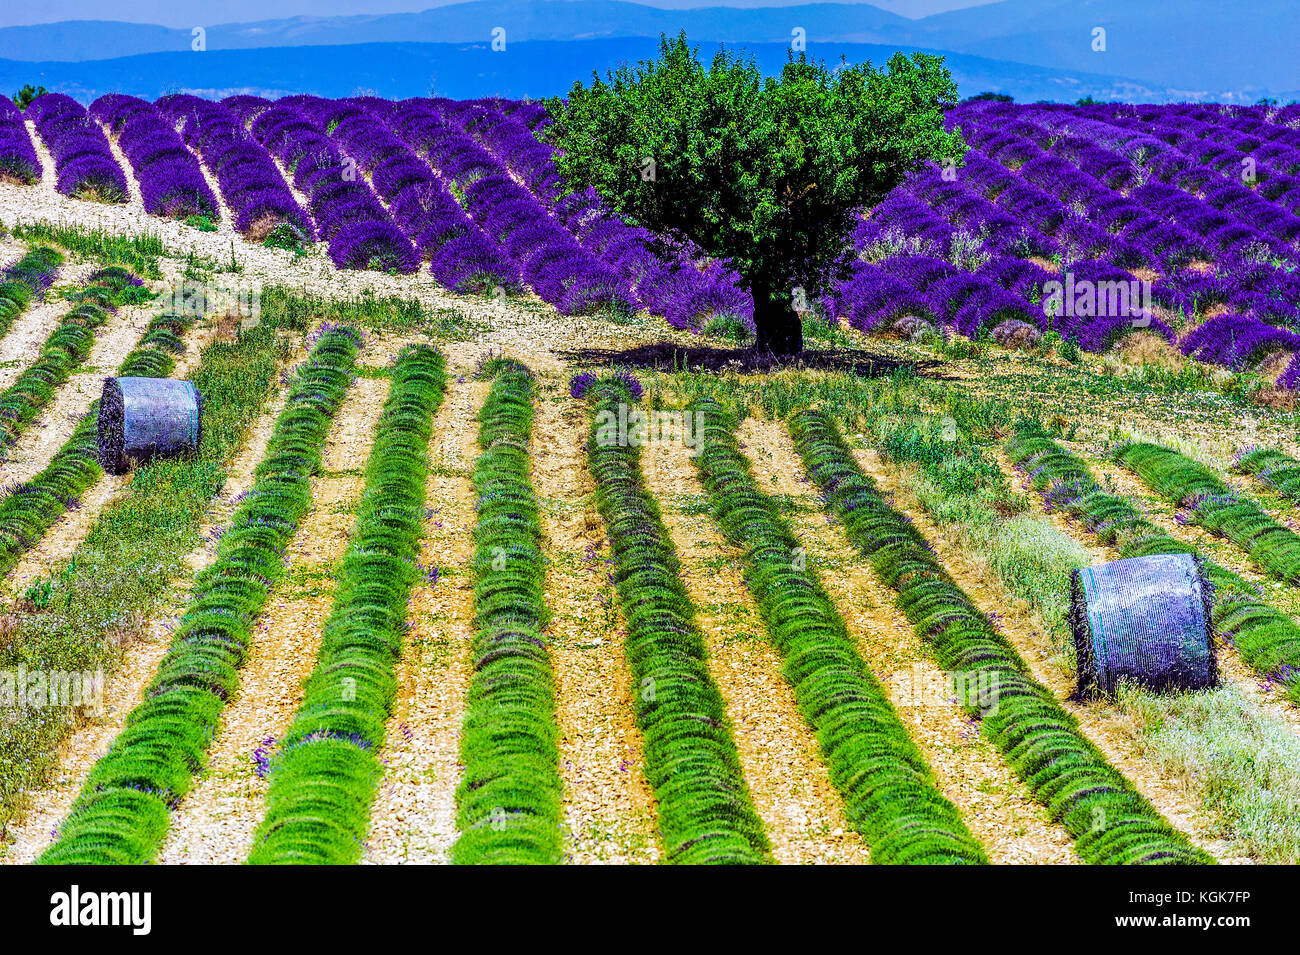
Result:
[{"x": 778, "y": 328}]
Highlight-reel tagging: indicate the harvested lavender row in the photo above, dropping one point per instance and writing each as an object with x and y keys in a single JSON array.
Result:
[
  {"x": 125, "y": 805},
  {"x": 324, "y": 774},
  {"x": 26, "y": 280}
]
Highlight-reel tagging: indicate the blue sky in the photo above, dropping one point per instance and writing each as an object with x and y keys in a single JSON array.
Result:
[{"x": 187, "y": 13}]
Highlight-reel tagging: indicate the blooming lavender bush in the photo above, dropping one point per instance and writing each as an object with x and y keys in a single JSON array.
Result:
[
  {"x": 171, "y": 182},
  {"x": 18, "y": 162},
  {"x": 83, "y": 161}
]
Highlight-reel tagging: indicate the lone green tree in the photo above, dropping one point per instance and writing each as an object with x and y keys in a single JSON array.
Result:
[
  {"x": 23, "y": 98},
  {"x": 767, "y": 172}
]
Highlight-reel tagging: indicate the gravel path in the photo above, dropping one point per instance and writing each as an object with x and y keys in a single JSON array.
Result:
[
  {"x": 22, "y": 345},
  {"x": 995, "y": 804},
  {"x": 609, "y": 808},
  {"x": 216, "y": 821},
  {"x": 413, "y": 819},
  {"x": 135, "y": 200},
  {"x": 788, "y": 782}
]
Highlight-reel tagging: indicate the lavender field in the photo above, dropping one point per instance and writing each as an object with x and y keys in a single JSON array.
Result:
[{"x": 503, "y": 542}]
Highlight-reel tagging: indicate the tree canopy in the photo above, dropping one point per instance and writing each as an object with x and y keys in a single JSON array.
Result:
[{"x": 767, "y": 172}]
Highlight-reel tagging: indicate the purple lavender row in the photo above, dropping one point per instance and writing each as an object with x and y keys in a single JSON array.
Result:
[
  {"x": 996, "y": 300},
  {"x": 1237, "y": 341},
  {"x": 1178, "y": 181},
  {"x": 83, "y": 161},
  {"x": 680, "y": 285},
  {"x": 1085, "y": 180},
  {"x": 1244, "y": 284},
  {"x": 251, "y": 186},
  {"x": 18, "y": 161},
  {"x": 1231, "y": 196},
  {"x": 1221, "y": 141},
  {"x": 360, "y": 232},
  {"x": 550, "y": 260},
  {"x": 171, "y": 183},
  {"x": 462, "y": 256}
]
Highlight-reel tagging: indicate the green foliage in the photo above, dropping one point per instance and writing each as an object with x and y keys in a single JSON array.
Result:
[
  {"x": 765, "y": 172},
  {"x": 139, "y": 252},
  {"x": 705, "y": 812},
  {"x": 990, "y": 98},
  {"x": 962, "y": 488},
  {"x": 952, "y": 462},
  {"x": 383, "y": 313},
  {"x": 324, "y": 775},
  {"x": 17, "y": 291},
  {"x": 1209, "y": 502},
  {"x": 508, "y": 802},
  {"x": 23, "y": 98},
  {"x": 889, "y": 791},
  {"x": 1110, "y": 820},
  {"x": 167, "y": 735},
  {"x": 1267, "y": 639},
  {"x": 1243, "y": 762},
  {"x": 727, "y": 328},
  {"x": 1276, "y": 470}
]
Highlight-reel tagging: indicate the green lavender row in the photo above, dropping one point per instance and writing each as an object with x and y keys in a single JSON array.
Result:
[
  {"x": 889, "y": 791},
  {"x": 65, "y": 349},
  {"x": 29, "y": 510},
  {"x": 1110, "y": 821},
  {"x": 23, "y": 281},
  {"x": 508, "y": 802},
  {"x": 1210, "y": 503},
  {"x": 127, "y": 567},
  {"x": 323, "y": 777},
  {"x": 704, "y": 806},
  {"x": 1267, "y": 639},
  {"x": 1272, "y": 468},
  {"x": 124, "y": 808}
]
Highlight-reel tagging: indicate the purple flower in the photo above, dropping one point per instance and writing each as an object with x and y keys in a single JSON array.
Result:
[{"x": 580, "y": 383}]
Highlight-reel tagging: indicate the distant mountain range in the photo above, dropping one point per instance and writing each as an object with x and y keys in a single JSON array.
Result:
[{"x": 1032, "y": 49}]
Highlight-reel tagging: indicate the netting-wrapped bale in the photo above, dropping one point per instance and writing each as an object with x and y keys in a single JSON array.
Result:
[
  {"x": 1143, "y": 619},
  {"x": 143, "y": 418}
]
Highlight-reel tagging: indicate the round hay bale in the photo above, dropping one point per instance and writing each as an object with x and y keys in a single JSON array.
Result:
[
  {"x": 1146, "y": 620},
  {"x": 143, "y": 418}
]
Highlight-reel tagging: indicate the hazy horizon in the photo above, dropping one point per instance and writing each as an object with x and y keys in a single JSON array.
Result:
[{"x": 187, "y": 13}]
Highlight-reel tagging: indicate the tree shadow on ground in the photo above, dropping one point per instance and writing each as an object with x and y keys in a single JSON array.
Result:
[{"x": 667, "y": 356}]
